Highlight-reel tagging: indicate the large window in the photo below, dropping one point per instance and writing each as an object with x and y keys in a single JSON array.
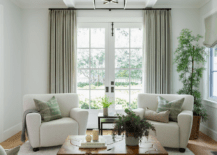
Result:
[
  {"x": 213, "y": 73},
  {"x": 109, "y": 64},
  {"x": 91, "y": 46}
]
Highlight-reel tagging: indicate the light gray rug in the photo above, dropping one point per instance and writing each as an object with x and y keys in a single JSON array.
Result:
[{"x": 26, "y": 149}]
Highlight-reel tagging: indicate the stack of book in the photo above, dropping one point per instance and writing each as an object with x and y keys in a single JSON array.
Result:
[{"x": 100, "y": 144}]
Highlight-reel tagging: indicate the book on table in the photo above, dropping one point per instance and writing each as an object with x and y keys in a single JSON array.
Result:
[{"x": 101, "y": 143}]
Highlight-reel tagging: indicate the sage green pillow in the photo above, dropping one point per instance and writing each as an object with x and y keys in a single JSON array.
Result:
[
  {"x": 174, "y": 107},
  {"x": 49, "y": 110}
]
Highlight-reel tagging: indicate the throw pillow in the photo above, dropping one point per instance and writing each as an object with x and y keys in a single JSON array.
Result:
[
  {"x": 157, "y": 116},
  {"x": 49, "y": 110},
  {"x": 174, "y": 107}
]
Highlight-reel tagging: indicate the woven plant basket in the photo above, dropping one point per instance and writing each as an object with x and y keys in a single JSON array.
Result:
[{"x": 195, "y": 128}]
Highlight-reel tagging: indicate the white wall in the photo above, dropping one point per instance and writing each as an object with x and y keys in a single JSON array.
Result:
[
  {"x": 209, "y": 127},
  {"x": 36, "y": 48},
  {"x": 182, "y": 18},
  {"x": 12, "y": 68},
  {"x": 1, "y": 72}
]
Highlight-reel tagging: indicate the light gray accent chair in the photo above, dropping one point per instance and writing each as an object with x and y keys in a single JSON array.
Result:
[
  {"x": 13, "y": 151},
  {"x": 54, "y": 133},
  {"x": 172, "y": 134}
]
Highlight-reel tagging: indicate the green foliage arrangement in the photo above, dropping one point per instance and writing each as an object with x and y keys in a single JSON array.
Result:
[
  {"x": 190, "y": 59},
  {"x": 132, "y": 124},
  {"x": 96, "y": 103},
  {"x": 105, "y": 102}
]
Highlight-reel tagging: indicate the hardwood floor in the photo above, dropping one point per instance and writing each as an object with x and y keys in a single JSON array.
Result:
[{"x": 202, "y": 146}]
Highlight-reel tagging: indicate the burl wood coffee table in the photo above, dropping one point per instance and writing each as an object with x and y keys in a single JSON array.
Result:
[{"x": 152, "y": 147}]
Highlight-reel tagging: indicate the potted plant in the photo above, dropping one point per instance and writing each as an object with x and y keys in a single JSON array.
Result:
[
  {"x": 133, "y": 127},
  {"x": 105, "y": 103},
  {"x": 190, "y": 59}
]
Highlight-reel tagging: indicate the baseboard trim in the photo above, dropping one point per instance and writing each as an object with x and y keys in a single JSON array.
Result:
[
  {"x": 12, "y": 131},
  {"x": 209, "y": 132}
]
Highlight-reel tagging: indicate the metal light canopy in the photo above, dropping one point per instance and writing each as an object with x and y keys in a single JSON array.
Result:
[{"x": 110, "y": 1}]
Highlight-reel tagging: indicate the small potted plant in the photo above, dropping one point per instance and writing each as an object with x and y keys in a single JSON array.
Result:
[
  {"x": 133, "y": 127},
  {"x": 105, "y": 103}
]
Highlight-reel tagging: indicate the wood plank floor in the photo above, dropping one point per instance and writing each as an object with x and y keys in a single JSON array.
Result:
[{"x": 202, "y": 146}]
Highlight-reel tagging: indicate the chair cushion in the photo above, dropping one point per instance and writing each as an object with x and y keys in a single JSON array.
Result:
[
  {"x": 175, "y": 107},
  {"x": 157, "y": 116},
  {"x": 66, "y": 101},
  {"x": 150, "y": 100},
  {"x": 49, "y": 110},
  {"x": 166, "y": 133},
  {"x": 55, "y": 132}
]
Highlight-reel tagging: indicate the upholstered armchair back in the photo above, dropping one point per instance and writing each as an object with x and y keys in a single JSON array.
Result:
[
  {"x": 150, "y": 100},
  {"x": 66, "y": 101}
]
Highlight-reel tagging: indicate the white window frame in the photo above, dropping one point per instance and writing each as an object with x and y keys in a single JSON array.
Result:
[
  {"x": 109, "y": 57},
  {"x": 211, "y": 71}
]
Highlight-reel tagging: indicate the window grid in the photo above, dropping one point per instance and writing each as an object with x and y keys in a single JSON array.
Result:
[
  {"x": 90, "y": 48},
  {"x": 212, "y": 71},
  {"x": 129, "y": 69}
]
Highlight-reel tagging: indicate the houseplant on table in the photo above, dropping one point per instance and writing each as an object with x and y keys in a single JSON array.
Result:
[
  {"x": 190, "y": 59},
  {"x": 133, "y": 127},
  {"x": 105, "y": 103}
]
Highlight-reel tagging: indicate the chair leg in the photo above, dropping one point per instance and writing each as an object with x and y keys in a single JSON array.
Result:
[
  {"x": 35, "y": 149},
  {"x": 182, "y": 150}
]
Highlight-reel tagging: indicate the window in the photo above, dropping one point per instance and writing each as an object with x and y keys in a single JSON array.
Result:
[
  {"x": 109, "y": 61},
  {"x": 91, "y": 48},
  {"x": 213, "y": 73}
]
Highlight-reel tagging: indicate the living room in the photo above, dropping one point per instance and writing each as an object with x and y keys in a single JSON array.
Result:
[{"x": 105, "y": 56}]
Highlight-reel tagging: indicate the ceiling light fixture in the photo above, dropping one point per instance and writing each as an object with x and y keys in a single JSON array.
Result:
[{"x": 110, "y": 1}]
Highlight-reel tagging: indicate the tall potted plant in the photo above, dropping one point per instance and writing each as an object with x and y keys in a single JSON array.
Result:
[
  {"x": 105, "y": 103},
  {"x": 133, "y": 126},
  {"x": 190, "y": 58}
]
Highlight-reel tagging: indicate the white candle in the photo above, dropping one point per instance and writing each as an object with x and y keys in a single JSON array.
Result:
[{"x": 95, "y": 135}]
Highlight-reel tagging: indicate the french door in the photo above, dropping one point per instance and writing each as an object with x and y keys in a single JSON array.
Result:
[{"x": 109, "y": 62}]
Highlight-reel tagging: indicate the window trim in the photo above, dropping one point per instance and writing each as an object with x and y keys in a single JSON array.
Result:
[{"x": 211, "y": 75}]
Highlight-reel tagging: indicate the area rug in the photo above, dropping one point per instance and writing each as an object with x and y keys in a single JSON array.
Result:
[{"x": 26, "y": 149}]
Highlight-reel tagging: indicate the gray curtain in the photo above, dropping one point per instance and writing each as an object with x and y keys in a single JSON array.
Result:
[
  {"x": 211, "y": 31},
  {"x": 62, "y": 51},
  {"x": 157, "y": 51}
]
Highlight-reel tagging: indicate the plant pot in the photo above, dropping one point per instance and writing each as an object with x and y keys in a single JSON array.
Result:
[
  {"x": 131, "y": 141},
  {"x": 105, "y": 111},
  {"x": 195, "y": 128}
]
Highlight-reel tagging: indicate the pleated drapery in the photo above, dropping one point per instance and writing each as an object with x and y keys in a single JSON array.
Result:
[
  {"x": 157, "y": 51},
  {"x": 62, "y": 51},
  {"x": 211, "y": 31}
]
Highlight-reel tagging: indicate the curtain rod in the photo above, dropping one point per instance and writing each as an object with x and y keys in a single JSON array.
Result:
[{"x": 109, "y": 9}]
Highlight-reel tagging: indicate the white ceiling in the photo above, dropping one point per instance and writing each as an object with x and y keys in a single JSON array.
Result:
[
  {"x": 181, "y": 3},
  {"x": 99, "y": 3}
]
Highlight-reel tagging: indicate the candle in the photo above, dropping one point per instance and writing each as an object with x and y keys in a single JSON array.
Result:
[
  {"x": 95, "y": 135},
  {"x": 88, "y": 138}
]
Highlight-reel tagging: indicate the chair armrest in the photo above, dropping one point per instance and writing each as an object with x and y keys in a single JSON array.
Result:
[
  {"x": 80, "y": 116},
  {"x": 13, "y": 151},
  {"x": 33, "y": 123},
  {"x": 185, "y": 119},
  {"x": 140, "y": 112}
]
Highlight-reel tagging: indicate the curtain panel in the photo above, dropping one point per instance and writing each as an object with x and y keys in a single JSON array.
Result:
[
  {"x": 62, "y": 51},
  {"x": 211, "y": 31},
  {"x": 157, "y": 51}
]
